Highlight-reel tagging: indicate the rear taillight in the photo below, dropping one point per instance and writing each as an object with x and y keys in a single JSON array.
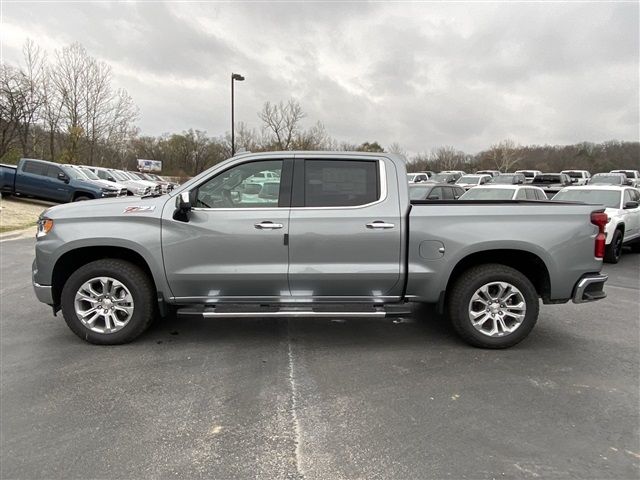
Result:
[{"x": 600, "y": 219}]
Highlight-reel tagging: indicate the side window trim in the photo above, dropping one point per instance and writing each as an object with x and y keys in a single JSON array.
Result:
[{"x": 298, "y": 190}]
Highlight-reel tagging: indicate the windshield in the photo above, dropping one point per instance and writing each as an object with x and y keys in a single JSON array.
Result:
[
  {"x": 606, "y": 179},
  {"x": 74, "y": 173},
  {"x": 504, "y": 179},
  {"x": 119, "y": 175},
  {"x": 469, "y": 179},
  {"x": 136, "y": 175},
  {"x": 441, "y": 177},
  {"x": 547, "y": 179},
  {"x": 89, "y": 174},
  {"x": 608, "y": 198},
  {"x": 419, "y": 192},
  {"x": 481, "y": 193},
  {"x": 573, "y": 174},
  {"x": 627, "y": 173}
]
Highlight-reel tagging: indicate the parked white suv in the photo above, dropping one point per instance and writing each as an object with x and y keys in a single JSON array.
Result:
[
  {"x": 504, "y": 192},
  {"x": 623, "y": 208},
  {"x": 578, "y": 177},
  {"x": 529, "y": 175},
  {"x": 418, "y": 177},
  {"x": 633, "y": 176}
]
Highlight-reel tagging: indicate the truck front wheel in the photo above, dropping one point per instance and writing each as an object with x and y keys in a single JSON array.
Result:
[
  {"x": 108, "y": 302},
  {"x": 493, "y": 306}
]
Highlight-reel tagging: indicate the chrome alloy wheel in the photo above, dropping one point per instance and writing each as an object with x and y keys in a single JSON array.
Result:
[
  {"x": 497, "y": 309},
  {"x": 104, "y": 305}
]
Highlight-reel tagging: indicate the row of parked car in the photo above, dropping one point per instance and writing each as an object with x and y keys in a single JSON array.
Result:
[
  {"x": 617, "y": 191},
  {"x": 70, "y": 183}
]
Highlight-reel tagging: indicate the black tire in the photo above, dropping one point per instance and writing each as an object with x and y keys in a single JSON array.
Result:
[
  {"x": 614, "y": 250},
  {"x": 82, "y": 198},
  {"x": 465, "y": 287},
  {"x": 138, "y": 283}
]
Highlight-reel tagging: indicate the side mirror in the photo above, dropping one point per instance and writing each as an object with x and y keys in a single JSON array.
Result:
[
  {"x": 630, "y": 205},
  {"x": 62, "y": 177},
  {"x": 183, "y": 207}
]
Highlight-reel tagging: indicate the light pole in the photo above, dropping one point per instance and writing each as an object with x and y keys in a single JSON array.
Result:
[{"x": 240, "y": 78}]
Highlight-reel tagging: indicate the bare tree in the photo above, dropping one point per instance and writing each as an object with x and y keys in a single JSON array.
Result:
[
  {"x": 447, "y": 157},
  {"x": 281, "y": 123},
  {"x": 504, "y": 155},
  {"x": 69, "y": 82},
  {"x": 314, "y": 138},
  {"x": 51, "y": 110},
  {"x": 33, "y": 77},
  {"x": 397, "y": 149},
  {"x": 12, "y": 101}
]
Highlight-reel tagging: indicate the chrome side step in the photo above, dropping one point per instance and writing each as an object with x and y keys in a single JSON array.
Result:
[
  {"x": 294, "y": 311},
  {"x": 292, "y": 314}
]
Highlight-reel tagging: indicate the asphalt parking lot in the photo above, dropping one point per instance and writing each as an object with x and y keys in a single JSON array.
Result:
[{"x": 320, "y": 399}]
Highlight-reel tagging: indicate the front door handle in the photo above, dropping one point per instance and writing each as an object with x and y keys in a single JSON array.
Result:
[
  {"x": 268, "y": 225},
  {"x": 380, "y": 224}
]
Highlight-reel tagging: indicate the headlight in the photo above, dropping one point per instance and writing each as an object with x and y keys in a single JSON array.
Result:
[
  {"x": 44, "y": 226},
  {"x": 109, "y": 191},
  {"x": 141, "y": 191}
]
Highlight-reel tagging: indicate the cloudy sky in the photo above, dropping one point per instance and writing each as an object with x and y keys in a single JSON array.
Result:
[{"x": 420, "y": 74}]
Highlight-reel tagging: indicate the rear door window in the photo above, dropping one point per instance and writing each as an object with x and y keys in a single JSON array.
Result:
[
  {"x": 436, "y": 194},
  {"x": 35, "y": 168},
  {"x": 448, "y": 193},
  {"x": 627, "y": 196},
  {"x": 341, "y": 183}
]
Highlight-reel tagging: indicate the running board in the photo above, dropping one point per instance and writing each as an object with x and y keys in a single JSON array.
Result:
[{"x": 320, "y": 311}]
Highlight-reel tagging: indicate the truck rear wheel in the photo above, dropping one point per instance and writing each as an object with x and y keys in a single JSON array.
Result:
[
  {"x": 493, "y": 306},
  {"x": 108, "y": 302}
]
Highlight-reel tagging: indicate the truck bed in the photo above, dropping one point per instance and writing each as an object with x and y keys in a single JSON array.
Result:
[{"x": 442, "y": 233}]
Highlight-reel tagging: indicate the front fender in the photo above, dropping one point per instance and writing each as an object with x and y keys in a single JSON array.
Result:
[{"x": 141, "y": 235}]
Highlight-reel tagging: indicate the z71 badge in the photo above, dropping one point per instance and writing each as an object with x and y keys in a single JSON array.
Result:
[{"x": 139, "y": 209}]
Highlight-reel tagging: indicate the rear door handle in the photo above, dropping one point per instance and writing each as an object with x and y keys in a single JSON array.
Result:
[
  {"x": 268, "y": 225},
  {"x": 380, "y": 224}
]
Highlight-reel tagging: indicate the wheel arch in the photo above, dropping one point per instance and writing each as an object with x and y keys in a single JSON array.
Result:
[
  {"x": 527, "y": 263},
  {"x": 73, "y": 259},
  {"x": 81, "y": 193}
]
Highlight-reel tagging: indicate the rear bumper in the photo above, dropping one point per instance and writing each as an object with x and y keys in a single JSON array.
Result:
[{"x": 590, "y": 288}]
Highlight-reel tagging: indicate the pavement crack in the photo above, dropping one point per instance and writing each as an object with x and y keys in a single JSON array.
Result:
[{"x": 294, "y": 403}]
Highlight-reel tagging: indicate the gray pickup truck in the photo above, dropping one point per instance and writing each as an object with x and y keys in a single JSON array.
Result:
[{"x": 314, "y": 234}]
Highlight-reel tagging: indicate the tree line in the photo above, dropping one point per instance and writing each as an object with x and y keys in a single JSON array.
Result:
[{"x": 66, "y": 109}]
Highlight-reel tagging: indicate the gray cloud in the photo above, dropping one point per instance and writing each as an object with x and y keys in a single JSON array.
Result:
[{"x": 422, "y": 75}]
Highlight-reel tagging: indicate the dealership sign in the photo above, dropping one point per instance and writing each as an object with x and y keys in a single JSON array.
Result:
[{"x": 149, "y": 165}]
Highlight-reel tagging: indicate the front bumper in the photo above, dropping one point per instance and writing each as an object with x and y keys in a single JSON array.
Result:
[
  {"x": 590, "y": 288},
  {"x": 43, "y": 293}
]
